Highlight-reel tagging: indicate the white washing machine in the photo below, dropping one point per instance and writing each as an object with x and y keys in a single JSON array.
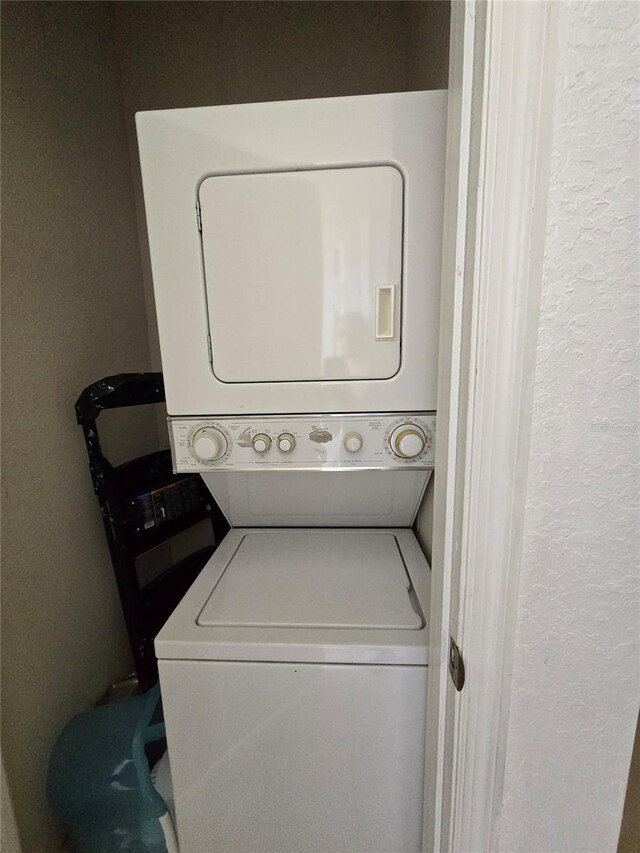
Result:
[
  {"x": 293, "y": 680},
  {"x": 295, "y": 251}
]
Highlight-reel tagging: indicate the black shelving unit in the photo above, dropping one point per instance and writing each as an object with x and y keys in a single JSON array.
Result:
[{"x": 144, "y": 505}]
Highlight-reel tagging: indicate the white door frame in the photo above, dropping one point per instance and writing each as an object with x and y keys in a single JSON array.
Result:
[{"x": 501, "y": 90}]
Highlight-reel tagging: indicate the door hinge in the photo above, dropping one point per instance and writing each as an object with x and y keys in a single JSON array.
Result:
[
  {"x": 456, "y": 665},
  {"x": 199, "y": 216},
  {"x": 210, "y": 350}
]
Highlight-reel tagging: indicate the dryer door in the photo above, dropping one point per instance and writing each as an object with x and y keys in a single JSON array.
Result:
[{"x": 303, "y": 274}]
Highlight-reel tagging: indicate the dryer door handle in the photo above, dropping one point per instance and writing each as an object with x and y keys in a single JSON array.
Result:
[{"x": 386, "y": 301}]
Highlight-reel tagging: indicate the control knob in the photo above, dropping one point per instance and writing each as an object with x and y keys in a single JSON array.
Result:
[
  {"x": 261, "y": 442},
  {"x": 208, "y": 444},
  {"x": 407, "y": 441},
  {"x": 352, "y": 442},
  {"x": 286, "y": 442}
]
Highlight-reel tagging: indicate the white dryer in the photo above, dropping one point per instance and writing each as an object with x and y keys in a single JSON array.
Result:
[
  {"x": 293, "y": 680},
  {"x": 295, "y": 251}
]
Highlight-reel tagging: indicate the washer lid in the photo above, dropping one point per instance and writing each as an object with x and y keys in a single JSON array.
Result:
[
  {"x": 314, "y": 579},
  {"x": 320, "y": 595}
]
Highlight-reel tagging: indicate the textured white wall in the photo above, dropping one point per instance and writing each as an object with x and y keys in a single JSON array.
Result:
[{"x": 575, "y": 680}]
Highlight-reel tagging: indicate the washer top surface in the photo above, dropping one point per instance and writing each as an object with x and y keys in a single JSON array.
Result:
[
  {"x": 315, "y": 579},
  {"x": 308, "y": 596}
]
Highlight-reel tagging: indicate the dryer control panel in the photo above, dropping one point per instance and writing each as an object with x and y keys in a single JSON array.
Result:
[{"x": 304, "y": 442}]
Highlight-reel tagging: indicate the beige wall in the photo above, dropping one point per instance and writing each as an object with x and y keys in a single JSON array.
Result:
[
  {"x": 72, "y": 311},
  {"x": 428, "y": 54},
  {"x": 9, "y": 842}
]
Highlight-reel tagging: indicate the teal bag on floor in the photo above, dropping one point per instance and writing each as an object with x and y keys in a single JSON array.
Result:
[{"x": 99, "y": 782}]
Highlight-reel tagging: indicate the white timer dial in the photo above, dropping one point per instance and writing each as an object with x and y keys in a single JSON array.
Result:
[
  {"x": 407, "y": 441},
  {"x": 209, "y": 444}
]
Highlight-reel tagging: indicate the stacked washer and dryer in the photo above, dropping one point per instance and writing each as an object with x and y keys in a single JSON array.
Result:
[{"x": 295, "y": 251}]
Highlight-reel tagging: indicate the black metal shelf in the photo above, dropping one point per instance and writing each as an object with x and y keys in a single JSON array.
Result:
[
  {"x": 144, "y": 541},
  {"x": 158, "y": 598},
  {"x": 144, "y": 505}
]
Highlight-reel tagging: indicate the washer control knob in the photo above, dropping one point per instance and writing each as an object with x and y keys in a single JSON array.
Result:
[
  {"x": 352, "y": 442},
  {"x": 407, "y": 441},
  {"x": 208, "y": 444},
  {"x": 286, "y": 442},
  {"x": 261, "y": 442}
]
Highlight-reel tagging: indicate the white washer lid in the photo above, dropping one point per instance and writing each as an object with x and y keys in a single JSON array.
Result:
[
  {"x": 364, "y": 573},
  {"x": 314, "y": 579}
]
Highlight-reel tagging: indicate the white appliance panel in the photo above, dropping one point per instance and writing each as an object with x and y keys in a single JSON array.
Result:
[
  {"x": 303, "y": 274},
  {"x": 381, "y": 622},
  {"x": 304, "y": 442},
  {"x": 400, "y": 134},
  {"x": 291, "y": 757},
  {"x": 292, "y": 457},
  {"x": 318, "y": 498},
  {"x": 337, "y": 580}
]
